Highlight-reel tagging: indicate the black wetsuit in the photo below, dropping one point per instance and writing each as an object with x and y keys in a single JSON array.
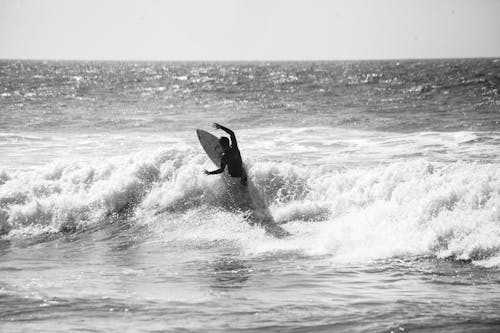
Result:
[{"x": 232, "y": 159}]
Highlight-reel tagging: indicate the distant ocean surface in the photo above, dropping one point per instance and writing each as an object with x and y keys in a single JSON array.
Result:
[{"x": 386, "y": 173}]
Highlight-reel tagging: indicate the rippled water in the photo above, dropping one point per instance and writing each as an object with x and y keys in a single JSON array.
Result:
[
  {"x": 385, "y": 173},
  {"x": 387, "y": 95},
  {"x": 108, "y": 281}
]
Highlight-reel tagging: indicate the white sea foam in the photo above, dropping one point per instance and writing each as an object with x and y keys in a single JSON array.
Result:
[{"x": 447, "y": 210}]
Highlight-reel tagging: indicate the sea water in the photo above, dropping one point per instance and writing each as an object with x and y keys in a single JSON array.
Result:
[{"x": 386, "y": 173}]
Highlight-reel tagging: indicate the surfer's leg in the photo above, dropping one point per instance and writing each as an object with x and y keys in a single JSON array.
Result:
[{"x": 243, "y": 178}]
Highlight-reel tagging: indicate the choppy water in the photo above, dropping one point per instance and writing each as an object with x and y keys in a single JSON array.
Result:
[{"x": 386, "y": 174}]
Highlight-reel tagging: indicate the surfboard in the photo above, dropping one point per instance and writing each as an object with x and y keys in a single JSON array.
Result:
[
  {"x": 210, "y": 144},
  {"x": 244, "y": 198}
]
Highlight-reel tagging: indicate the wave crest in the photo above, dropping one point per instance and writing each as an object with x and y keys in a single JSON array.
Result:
[{"x": 405, "y": 208}]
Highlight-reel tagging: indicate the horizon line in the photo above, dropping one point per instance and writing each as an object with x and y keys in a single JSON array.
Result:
[{"x": 245, "y": 60}]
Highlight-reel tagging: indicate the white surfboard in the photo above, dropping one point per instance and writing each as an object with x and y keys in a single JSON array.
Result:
[
  {"x": 245, "y": 198},
  {"x": 210, "y": 144}
]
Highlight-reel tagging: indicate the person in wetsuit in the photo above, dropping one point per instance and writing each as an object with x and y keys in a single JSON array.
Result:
[{"x": 231, "y": 157}]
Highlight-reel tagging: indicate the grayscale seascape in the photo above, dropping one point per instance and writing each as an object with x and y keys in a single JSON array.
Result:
[{"x": 386, "y": 173}]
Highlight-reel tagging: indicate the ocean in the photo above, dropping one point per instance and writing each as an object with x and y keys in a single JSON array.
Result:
[{"x": 385, "y": 173}]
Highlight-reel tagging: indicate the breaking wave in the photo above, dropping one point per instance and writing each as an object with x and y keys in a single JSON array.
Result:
[{"x": 414, "y": 208}]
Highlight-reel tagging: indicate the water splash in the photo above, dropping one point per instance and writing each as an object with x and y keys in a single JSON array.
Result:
[{"x": 447, "y": 210}]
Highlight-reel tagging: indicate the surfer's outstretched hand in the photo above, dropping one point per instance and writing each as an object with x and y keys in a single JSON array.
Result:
[
  {"x": 206, "y": 172},
  {"x": 217, "y": 125}
]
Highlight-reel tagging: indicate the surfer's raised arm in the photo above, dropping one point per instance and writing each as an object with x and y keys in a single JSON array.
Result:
[{"x": 234, "y": 143}]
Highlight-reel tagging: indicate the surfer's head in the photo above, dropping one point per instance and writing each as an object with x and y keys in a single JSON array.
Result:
[{"x": 224, "y": 142}]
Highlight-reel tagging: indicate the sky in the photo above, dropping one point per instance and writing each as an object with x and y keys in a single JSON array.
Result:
[{"x": 248, "y": 29}]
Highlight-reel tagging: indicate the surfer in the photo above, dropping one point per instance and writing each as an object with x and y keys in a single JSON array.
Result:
[{"x": 231, "y": 157}]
